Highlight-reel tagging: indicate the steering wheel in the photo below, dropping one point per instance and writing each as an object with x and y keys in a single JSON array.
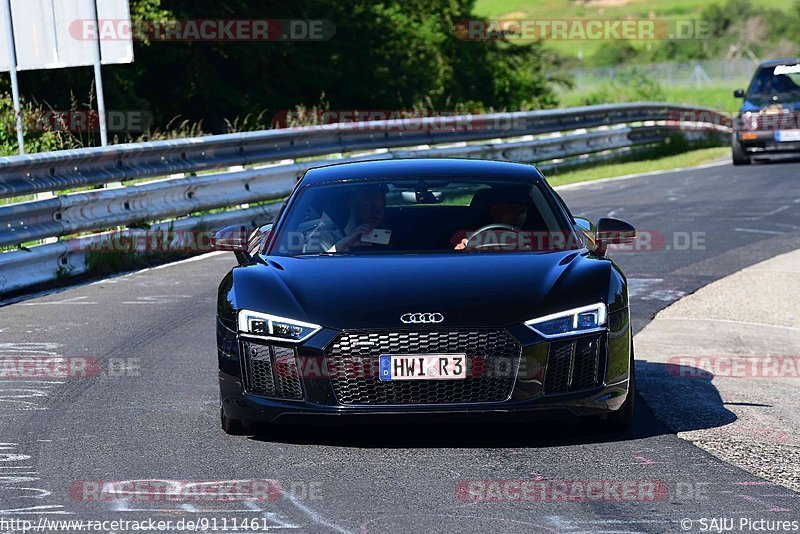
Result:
[{"x": 495, "y": 243}]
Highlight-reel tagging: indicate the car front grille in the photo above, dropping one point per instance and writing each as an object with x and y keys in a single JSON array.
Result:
[
  {"x": 492, "y": 358},
  {"x": 574, "y": 364},
  {"x": 271, "y": 371}
]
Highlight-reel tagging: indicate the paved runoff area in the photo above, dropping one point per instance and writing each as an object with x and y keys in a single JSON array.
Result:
[{"x": 731, "y": 355}]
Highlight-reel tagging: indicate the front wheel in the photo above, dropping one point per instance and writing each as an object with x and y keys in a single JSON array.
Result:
[
  {"x": 738, "y": 152},
  {"x": 232, "y": 427},
  {"x": 622, "y": 419}
]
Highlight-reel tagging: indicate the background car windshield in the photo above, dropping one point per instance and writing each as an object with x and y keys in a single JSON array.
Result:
[
  {"x": 779, "y": 83},
  {"x": 423, "y": 217}
]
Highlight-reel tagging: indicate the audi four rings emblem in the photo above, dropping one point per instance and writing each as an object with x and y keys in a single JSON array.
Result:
[{"x": 422, "y": 318}]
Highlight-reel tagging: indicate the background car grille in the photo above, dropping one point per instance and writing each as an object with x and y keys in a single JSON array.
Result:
[
  {"x": 271, "y": 371},
  {"x": 492, "y": 363},
  {"x": 574, "y": 364}
]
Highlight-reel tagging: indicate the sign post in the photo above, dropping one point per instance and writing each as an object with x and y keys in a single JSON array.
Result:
[
  {"x": 57, "y": 34},
  {"x": 98, "y": 77},
  {"x": 12, "y": 69}
]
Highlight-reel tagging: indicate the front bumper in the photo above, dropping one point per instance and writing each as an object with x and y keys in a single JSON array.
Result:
[
  {"x": 764, "y": 143},
  {"x": 538, "y": 389}
]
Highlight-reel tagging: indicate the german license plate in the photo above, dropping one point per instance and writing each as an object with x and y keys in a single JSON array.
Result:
[
  {"x": 423, "y": 367},
  {"x": 787, "y": 135}
]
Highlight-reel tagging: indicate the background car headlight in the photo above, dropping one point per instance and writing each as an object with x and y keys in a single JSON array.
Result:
[
  {"x": 571, "y": 322},
  {"x": 272, "y": 327}
]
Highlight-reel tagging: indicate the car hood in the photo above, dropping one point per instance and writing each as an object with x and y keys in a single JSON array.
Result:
[
  {"x": 491, "y": 289},
  {"x": 761, "y": 105}
]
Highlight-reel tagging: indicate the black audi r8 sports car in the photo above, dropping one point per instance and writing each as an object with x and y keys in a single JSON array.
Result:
[{"x": 453, "y": 289}]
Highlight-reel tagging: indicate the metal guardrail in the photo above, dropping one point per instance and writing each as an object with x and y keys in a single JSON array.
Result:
[{"x": 589, "y": 133}]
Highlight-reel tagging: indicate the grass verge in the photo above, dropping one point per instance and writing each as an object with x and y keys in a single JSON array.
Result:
[
  {"x": 717, "y": 96},
  {"x": 675, "y": 161}
]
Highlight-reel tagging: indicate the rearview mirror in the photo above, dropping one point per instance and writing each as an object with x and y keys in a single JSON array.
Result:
[
  {"x": 613, "y": 232},
  {"x": 231, "y": 238},
  {"x": 739, "y": 93}
]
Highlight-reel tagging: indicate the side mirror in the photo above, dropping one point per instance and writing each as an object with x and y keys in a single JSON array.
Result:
[
  {"x": 613, "y": 232},
  {"x": 739, "y": 93},
  {"x": 232, "y": 239}
]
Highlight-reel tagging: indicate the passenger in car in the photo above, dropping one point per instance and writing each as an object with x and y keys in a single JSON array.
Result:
[{"x": 366, "y": 211}]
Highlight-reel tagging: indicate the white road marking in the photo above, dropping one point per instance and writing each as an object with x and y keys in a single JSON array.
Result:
[
  {"x": 71, "y": 301},
  {"x": 189, "y": 260},
  {"x": 158, "y": 299},
  {"x": 17, "y": 396},
  {"x": 171, "y": 493},
  {"x": 55, "y": 509},
  {"x": 559, "y": 523},
  {"x": 732, "y": 321},
  {"x": 38, "y": 348},
  {"x": 645, "y": 289},
  {"x": 314, "y": 516},
  {"x": 775, "y": 211},
  {"x": 13, "y": 479},
  {"x": 272, "y": 516},
  {"x": 32, "y": 382},
  {"x": 639, "y": 286},
  {"x": 7, "y": 480},
  {"x": 8, "y": 457},
  {"x": 664, "y": 295},
  {"x": 639, "y": 175},
  {"x": 758, "y": 231},
  {"x": 42, "y": 492}
]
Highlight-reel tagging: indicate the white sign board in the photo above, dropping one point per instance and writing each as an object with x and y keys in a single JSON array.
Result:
[{"x": 51, "y": 34}]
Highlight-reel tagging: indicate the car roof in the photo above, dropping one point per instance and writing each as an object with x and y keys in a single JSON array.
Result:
[
  {"x": 466, "y": 169},
  {"x": 776, "y": 62}
]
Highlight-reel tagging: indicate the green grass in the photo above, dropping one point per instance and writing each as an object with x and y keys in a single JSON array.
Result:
[
  {"x": 565, "y": 9},
  {"x": 677, "y": 161},
  {"x": 716, "y": 96},
  {"x": 572, "y": 9}
]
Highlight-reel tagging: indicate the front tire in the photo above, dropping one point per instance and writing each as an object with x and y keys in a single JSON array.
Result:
[
  {"x": 622, "y": 419},
  {"x": 738, "y": 152},
  {"x": 233, "y": 427}
]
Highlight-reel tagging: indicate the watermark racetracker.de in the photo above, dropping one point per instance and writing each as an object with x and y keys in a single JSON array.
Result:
[
  {"x": 203, "y": 30},
  {"x": 581, "y": 29},
  {"x": 733, "y": 366}
]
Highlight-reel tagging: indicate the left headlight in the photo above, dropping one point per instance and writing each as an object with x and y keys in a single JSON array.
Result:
[
  {"x": 570, "y": 322},
  {"x": 272, "y": 327}
]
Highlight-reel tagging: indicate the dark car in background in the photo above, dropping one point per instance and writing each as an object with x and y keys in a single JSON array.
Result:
[
  {"x": 767, "y": 124},
  {"x": 440, "y": 288}
]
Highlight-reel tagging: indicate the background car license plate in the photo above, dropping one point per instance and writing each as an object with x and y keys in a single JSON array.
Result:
[
  {"x": 423, "y": 367},
  {"x": 787, "y": 135}
]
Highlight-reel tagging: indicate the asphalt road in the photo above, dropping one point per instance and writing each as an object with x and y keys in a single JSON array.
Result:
[{"x": 151, "y": 411}]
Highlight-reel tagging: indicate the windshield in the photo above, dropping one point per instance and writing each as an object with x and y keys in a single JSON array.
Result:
[
  {"x": 423, "y": 216},
  {"x": 777, "y": 84}
]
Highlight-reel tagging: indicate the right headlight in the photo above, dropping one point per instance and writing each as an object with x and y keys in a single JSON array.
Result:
[
  {"x": 570, "y": 322},
  {"x": 272, "y": 327}
]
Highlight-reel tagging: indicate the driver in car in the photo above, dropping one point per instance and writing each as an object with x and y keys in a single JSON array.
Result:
[
  {"x": 506, "y": 209},
  {"x": 366, "y": 208}
]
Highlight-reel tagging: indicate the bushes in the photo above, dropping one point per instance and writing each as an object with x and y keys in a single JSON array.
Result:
[
  {"x": 733, "y": 29},
  {"x": 387, "y": 55}
]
